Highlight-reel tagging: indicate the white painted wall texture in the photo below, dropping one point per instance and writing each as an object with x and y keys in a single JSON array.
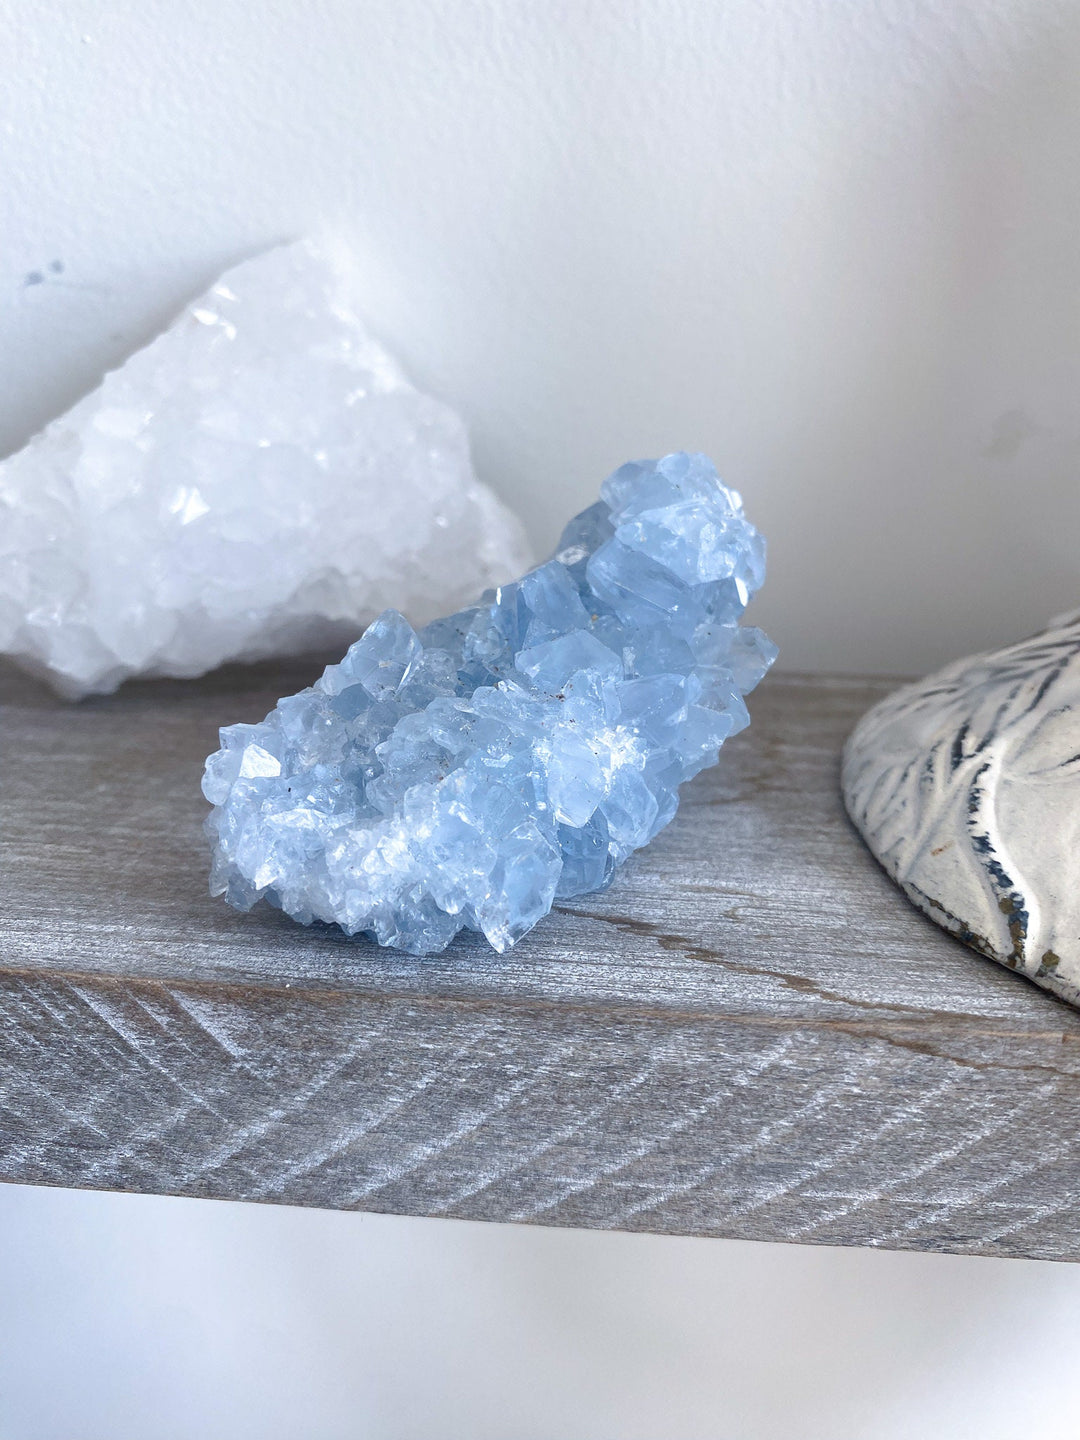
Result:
[
  {"x": 833, "y": 244},
  {"x": 134, "y": 1317}
]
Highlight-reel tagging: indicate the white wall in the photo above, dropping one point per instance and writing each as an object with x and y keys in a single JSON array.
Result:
[
  {"x": 128, "y": 1317},
  {"x": 835, "y": 245}
]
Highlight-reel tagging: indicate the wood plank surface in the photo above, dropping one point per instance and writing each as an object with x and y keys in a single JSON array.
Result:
[{"x": 752, "y": 1033}]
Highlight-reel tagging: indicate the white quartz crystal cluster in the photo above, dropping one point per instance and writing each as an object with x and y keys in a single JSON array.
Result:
[{"x": 260, "y": 479}]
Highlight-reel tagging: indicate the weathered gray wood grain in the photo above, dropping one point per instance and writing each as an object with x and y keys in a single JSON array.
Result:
[{"x": 752, "y": 1033}]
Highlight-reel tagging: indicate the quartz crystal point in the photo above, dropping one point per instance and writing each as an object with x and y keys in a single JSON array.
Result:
[
  {"x": 469, "y": 774},
  {"x": 259, "y": 480}
]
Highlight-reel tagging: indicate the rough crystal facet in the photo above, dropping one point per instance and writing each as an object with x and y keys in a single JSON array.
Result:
[
  {"x": 258, "y": 480},
  {"x": 469, "y": 774}
]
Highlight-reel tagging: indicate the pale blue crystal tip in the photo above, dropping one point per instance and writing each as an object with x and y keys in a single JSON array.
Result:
[{"x": 470, "y": 774}]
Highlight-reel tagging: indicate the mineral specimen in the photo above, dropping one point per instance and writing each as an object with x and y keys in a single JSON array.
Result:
[
  {"x": 516, "y": 752},
  {"x": 966, "y": 787},
  {"x": 259, "y": 479}
]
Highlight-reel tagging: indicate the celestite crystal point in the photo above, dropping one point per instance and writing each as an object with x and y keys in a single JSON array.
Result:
[
  {"x": 469, "y": 774},
  {"x": 261, "y": 479}
]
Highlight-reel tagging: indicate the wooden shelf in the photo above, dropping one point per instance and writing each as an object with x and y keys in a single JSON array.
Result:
[{"x": 750, "y": 1034}]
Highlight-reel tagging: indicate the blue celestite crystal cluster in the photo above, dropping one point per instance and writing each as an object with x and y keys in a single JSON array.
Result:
[{"x": 469, "y": 774}]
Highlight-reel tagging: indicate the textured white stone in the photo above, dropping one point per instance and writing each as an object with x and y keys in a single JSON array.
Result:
[
  {"x": 966, "y": 786},
  {"x": 260, "y": 479}
]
